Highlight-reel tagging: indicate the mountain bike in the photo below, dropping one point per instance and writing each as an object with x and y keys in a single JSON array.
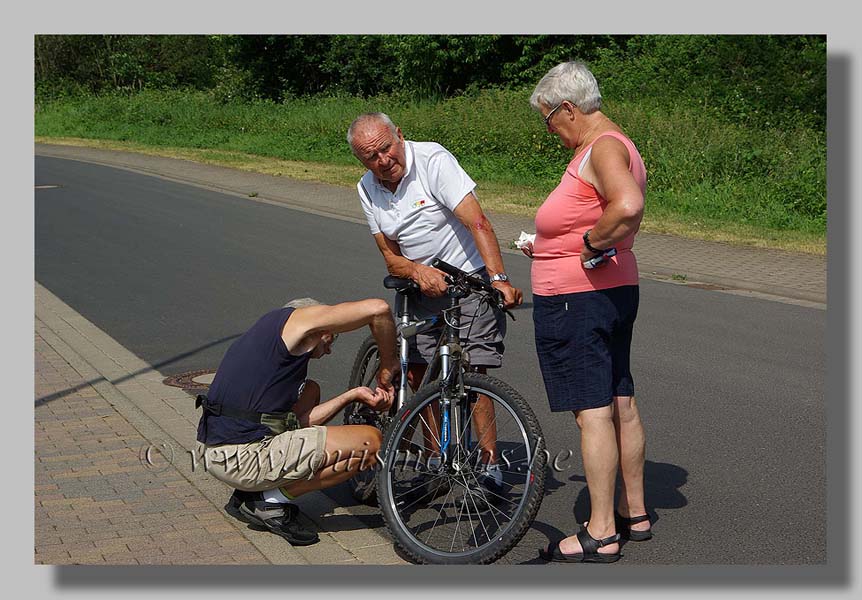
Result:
[{"x": 453, "y": 488}]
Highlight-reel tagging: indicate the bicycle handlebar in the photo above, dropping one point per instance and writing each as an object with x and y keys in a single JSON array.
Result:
[
  {"x": 473, "y": 282},
  {"x": 462, "y": 277}
]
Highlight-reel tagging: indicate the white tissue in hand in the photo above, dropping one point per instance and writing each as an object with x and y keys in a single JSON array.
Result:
[{"x": 526, "y": 238}]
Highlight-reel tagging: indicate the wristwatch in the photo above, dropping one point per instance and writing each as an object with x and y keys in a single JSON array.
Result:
[
  {"x": 587, "y": 243},
  {"x": 499, "y": 277}
]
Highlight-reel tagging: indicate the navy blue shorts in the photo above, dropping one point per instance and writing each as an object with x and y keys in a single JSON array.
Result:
[{"x": 583, "y": 341}]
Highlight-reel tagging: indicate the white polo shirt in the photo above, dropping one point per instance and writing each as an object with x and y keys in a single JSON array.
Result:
[{"x": 419, "y": 215}]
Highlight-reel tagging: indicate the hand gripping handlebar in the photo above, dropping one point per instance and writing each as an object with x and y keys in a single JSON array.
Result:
[{"x": 472, "y": 282}]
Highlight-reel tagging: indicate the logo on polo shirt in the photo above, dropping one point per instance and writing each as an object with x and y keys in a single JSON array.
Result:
[{"x": 419, "y": 203}]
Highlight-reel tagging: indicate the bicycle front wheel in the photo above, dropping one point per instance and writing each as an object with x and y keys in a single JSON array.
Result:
[{"x": 465, "y": 493}]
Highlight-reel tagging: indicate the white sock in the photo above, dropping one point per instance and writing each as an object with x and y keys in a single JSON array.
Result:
[
  {"x": 275, "y": 496},
  {"x": 494, "y": 472}
]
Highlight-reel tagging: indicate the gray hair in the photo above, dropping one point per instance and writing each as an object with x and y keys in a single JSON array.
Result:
[
  {"x": 570, "y": 81},
  {"x": 302, "y": 303},
  {"x": 366, "y": 118}
]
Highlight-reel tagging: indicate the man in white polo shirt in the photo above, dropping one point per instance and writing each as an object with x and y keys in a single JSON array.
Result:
[{"x": 420, "y": 205}]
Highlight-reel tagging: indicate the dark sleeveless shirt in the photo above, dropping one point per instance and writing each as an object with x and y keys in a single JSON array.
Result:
[{"x": 258, "y": 374}]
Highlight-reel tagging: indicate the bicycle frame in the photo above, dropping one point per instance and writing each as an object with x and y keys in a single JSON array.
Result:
[
  {"x": 447, "y": 359},
  {"x": 451, "y": 507}
]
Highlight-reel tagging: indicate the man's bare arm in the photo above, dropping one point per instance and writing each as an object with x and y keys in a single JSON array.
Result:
[
  {"x": 471, "y": 215},
  {"x": 430, "y": 280}
]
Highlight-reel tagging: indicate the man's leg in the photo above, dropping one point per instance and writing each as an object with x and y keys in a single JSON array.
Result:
[
  {"x": 348, "y": 448},
  {"x": 485, "y": 423},
  {"x": 430, "y": 415},
  {"x": 631, "y": 444},
  {"x": 308, "y": 399},
  {"x": 599, "y": 450},
  {"x": 483, "y": 419},
  {"x": 428, "y": 483},
  {"x": 415, "y": 373}
]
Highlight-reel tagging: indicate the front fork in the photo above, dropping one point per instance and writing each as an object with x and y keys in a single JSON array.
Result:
[
  {"x": 451, "y": 386},
  {"x": 403, "y": 352},
  {"x": 445, "y": 401}
]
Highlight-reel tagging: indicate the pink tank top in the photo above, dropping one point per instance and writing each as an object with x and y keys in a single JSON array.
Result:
[{"x": 572, "y": 208}]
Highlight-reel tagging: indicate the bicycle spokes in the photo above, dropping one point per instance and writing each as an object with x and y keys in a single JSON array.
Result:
[{"x": 454, "y": 503}]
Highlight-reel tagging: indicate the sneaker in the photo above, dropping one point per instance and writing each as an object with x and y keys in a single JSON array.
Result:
[
  {"x": 479, "y": 500},
  {"x": 425, "y": 487},
  {"x": 495, "y": 489},
  {"x": 237, "y": 498},
  {"x": 280, "y": 519}
]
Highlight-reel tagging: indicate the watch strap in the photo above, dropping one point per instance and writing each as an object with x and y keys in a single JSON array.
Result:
[{"x": 587, "y": 243}]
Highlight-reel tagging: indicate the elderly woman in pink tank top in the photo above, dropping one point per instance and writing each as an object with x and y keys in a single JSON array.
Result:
[{"x": 585, "y": 298}]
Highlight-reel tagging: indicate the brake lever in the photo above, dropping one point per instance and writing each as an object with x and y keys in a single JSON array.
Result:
[{"x": 498, "y": 297}]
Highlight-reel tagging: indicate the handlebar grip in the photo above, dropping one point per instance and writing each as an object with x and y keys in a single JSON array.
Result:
[
  {"x": 447, "y": 268},
  {"x": 457, "y": 274},
  {"x": 475, "y": 282}
]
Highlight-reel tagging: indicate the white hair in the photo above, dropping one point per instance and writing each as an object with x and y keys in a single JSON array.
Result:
[
  {"x": 370, "y": 117},
  {"x": 302, "y": 302},
  {"x": 570, "y": 81}
]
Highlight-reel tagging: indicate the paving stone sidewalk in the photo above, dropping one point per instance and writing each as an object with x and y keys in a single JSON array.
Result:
[{"x": 95, "y": 501}]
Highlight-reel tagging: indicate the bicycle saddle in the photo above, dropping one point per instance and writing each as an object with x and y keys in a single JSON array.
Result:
[{"x": 399, "y": 283}]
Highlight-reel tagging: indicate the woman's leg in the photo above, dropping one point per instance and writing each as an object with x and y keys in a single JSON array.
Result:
[
  {"x": 631, "y": 443},
  {"x": 599, "y": 451}
]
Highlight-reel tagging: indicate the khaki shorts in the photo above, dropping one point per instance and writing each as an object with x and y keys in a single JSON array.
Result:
[{"x": 268, "y": 463}]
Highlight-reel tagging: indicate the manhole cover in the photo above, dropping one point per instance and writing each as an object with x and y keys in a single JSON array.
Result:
[{"x": 193, "y": 382}]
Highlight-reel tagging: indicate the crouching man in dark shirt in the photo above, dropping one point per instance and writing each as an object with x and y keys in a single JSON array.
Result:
[{"x": 262, "y": 430}]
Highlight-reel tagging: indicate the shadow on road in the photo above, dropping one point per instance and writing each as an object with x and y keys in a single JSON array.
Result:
[
  {"x": 662, "y": 483},
  {"x": 155, "y": 367}
]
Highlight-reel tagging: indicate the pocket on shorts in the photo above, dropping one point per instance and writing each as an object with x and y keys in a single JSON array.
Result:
[{"x": 549, "y": 319}]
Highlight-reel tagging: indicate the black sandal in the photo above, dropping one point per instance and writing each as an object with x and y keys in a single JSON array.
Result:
[
  {"x": 624, "y": 526},
  {"x": 590, "y": 550}
]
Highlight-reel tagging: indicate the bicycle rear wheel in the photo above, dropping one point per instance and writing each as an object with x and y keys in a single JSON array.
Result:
[
  {"x": 451, "y": 514},
  {"x": 363, "y": 486}
]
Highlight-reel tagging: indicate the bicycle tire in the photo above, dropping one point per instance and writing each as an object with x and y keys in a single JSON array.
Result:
[
  {"x": 526, "y": 488},
  {"x": 363, "y": 485},
  {"x": 366, "y": 356}
]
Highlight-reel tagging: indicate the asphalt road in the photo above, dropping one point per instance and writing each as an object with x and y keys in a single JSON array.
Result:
[{"x": 731, "y": 389}]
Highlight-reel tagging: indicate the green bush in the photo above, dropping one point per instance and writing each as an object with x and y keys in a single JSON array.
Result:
[{"x": 758, "y": 80}]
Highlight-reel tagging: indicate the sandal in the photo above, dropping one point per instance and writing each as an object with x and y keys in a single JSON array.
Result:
[
  {"x": 590, "y": 550},
  {"x": 624, "y": 526}
]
